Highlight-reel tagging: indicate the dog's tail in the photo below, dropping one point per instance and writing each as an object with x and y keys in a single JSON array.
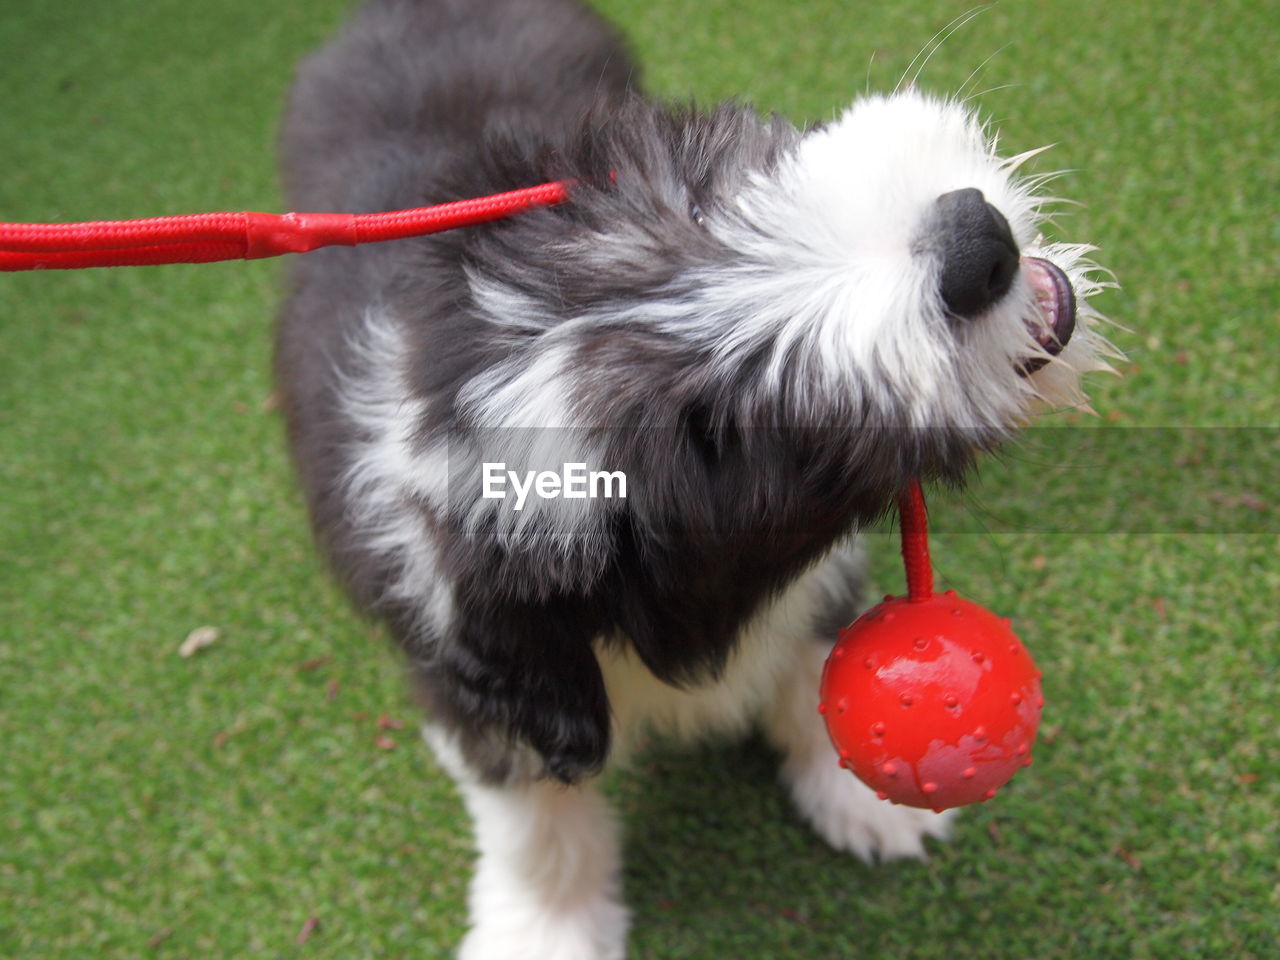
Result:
[{"x": 420, "y": 83}]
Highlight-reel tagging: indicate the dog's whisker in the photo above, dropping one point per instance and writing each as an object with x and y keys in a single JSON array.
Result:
[
  {"x": 960, "y": 91},
  {"x": 921, "y": 59},
  {"x": 982, "y": 93},
  {"x": 1048, "y": 207},
  {"x": 1038, "y": 181}
]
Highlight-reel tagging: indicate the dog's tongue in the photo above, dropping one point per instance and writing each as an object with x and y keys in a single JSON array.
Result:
[{"x": 1057, "y": 303}]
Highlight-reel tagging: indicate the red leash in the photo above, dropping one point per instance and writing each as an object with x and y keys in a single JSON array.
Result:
[{"x": 206, "y": 237}]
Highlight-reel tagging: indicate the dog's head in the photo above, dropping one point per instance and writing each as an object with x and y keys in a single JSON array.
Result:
[{"x": 926, "y": 289}]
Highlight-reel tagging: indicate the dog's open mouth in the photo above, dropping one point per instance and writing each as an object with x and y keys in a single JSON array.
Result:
[{"x": 1057, "y": 314}]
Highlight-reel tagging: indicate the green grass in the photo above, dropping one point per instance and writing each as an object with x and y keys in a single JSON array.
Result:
[{"x": 156, "y": 806}]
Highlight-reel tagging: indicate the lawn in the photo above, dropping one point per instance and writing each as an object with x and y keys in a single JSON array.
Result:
[{"x": 269, "y": 796}]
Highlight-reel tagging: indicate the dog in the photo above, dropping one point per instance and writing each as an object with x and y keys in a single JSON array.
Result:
[{"x": 758, "y": 334}]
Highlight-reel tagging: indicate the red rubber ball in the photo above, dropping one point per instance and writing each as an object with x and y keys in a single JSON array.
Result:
[{"x": 932, "y": 702}]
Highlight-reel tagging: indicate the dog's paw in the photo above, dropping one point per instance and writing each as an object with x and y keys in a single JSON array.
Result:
[
  {"x": 850, "y": 817},
  {"x": 596, "y": 931}
]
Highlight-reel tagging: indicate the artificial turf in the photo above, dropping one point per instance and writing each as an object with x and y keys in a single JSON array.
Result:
[{"x": 271, "y": 789}]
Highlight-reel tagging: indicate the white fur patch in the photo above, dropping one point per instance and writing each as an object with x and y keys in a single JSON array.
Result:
[
  {"x": 547, "y": 885},
  {"x": 526, "y": 418},
  {"x": 833, "y": 277},
  {"x": 385, "y": 475}
]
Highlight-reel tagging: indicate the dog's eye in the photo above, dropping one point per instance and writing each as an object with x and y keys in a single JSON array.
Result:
[{"x": 696, "y": 215}]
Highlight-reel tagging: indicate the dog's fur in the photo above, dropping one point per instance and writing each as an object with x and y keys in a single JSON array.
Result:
[{"x": 744, "y": 317}]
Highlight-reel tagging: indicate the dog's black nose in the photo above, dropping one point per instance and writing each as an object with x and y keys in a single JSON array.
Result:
[{"x": 979, "y": 255}]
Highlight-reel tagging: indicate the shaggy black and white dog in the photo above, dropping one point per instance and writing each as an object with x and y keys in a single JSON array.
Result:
[{"x": 763, "y": 331}]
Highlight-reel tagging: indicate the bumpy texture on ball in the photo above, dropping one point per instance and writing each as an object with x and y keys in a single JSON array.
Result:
[{"x": 932, "y": 702}]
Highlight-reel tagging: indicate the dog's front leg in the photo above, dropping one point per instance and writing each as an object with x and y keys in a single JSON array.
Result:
[
  {"x": 546, "y": 885},
  {"x": 520, "y": 719}
]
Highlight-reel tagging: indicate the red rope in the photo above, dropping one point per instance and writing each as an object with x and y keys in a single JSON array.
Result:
[
  {"x": 205, "y": 237},
  {"x": 915, "y": 542}
]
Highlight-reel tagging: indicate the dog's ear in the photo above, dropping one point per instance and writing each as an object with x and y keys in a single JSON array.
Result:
[{"x": 527, "y": 671}]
